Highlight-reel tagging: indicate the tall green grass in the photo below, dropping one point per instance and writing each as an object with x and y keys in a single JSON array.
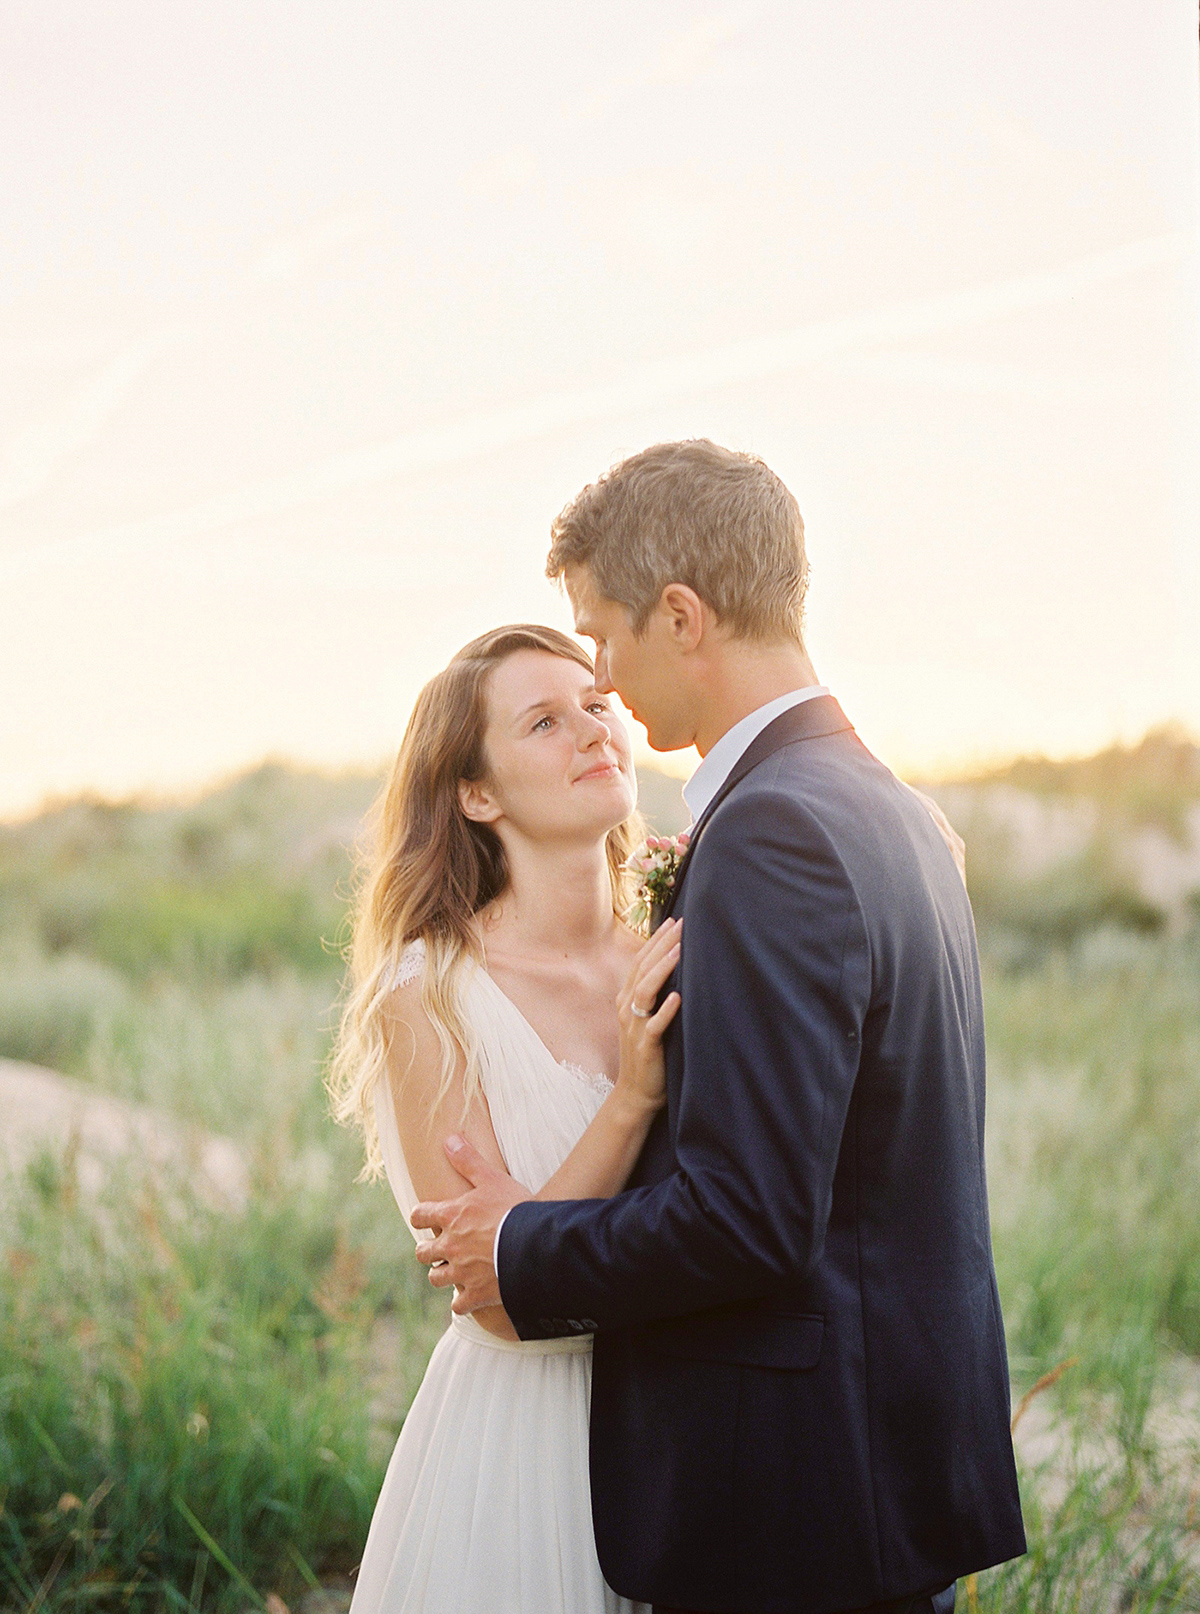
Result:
[
  {"x": 1094, "y": 1161},
  {"x": 182, "y": 1402},
  {"x": 1095, "y": 1142},
  {"x": 195, "y": 1406}
]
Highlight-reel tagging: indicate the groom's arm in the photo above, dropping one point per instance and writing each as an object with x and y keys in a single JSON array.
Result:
[{"x": 775, "y": 977}]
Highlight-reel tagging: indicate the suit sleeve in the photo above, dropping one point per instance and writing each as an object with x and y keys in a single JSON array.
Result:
[{"x": 775, "y": 981}]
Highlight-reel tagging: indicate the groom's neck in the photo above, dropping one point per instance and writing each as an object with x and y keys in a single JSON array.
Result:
[{"x": 739, "y": 676}]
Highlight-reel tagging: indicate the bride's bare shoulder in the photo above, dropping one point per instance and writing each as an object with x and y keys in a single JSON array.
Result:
[
  {"x": 414, "y": 1052},
  {"x": 429, "y": 1100}
]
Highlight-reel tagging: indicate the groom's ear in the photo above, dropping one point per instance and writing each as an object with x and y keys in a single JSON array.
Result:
[
  {"x": 476, "y": 803},
  {"x": 683, "y": 614}
]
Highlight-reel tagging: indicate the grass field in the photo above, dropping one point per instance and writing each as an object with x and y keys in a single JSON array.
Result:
[{"x": 196, "y": 1406}]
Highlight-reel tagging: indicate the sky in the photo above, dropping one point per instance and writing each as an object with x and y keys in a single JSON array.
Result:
[{"x": 312, "y": 316}]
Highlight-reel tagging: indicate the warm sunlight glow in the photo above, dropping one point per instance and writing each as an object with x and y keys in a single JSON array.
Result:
[{"x": 300, "y": 359}]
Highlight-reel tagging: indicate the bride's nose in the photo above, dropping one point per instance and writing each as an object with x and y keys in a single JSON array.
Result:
[{"x": 592, "y": 732}]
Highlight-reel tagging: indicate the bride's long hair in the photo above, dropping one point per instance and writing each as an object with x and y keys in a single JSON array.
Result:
[{"x": 427, "y": 871}]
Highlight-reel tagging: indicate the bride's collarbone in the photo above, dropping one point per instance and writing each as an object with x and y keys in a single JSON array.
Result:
[
  {"x": 570, "y": 1009},
  {"x": 559, "y": 981}
]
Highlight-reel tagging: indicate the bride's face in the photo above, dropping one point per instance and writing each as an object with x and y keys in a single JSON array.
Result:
[{"x": 558, "y": 759}]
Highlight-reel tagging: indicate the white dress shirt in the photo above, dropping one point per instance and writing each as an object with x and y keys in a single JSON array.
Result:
[
  {"x": 708, "y": 778},
  {"x": 720, "y": 762}
]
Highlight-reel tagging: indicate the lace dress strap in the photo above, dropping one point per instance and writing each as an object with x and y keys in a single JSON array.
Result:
[{"x": 412, "y": 963}]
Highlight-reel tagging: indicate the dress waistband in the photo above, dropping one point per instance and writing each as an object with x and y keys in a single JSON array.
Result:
[{"x": 569, "y": 1345}]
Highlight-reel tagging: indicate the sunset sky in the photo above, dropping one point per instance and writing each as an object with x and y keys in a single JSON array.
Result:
[{"x": 312, "y": 316}]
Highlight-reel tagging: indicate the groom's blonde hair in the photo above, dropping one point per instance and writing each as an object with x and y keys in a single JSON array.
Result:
[{"x": 694, "y": 513}]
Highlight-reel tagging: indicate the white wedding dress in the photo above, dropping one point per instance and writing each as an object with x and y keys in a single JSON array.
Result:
[{"x": 485, "y": 1508}]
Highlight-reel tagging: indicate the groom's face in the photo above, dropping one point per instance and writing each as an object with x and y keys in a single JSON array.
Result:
[{"x": 642, "y": 668}]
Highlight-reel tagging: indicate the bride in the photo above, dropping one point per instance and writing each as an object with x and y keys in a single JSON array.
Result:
[{"x": 488, "y": 953}]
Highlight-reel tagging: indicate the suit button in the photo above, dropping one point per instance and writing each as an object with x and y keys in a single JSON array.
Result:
[
  {"x": 546, "y": 1322},
  {"x": 590, "y": 1324},
  {"x": 575, "y": 1325}
]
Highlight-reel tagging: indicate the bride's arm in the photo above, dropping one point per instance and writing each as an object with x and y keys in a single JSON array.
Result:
[
  {"x": 600, "y": 1163},
  {"x": 414, "y": 1075}
]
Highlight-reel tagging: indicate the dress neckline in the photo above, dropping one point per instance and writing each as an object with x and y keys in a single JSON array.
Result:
[{"x": 598, "y": 1080}]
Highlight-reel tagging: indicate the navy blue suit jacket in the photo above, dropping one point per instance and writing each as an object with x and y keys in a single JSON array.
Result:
[{"x": 800, "y": 1395}]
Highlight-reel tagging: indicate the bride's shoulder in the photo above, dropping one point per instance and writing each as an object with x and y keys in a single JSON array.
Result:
[
  {"x": 404, "y": 1011},
  {"x": 409, "y": 970},
  {"x": 411, "y": 964}
]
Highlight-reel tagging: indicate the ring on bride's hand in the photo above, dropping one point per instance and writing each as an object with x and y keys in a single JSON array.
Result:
[{"x": 642, "y": 1014}]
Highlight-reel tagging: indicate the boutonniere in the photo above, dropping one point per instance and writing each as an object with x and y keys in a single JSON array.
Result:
[{"x": 656, "y": 865}]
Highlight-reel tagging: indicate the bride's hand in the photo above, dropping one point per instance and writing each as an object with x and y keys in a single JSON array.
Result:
[{"x": 643, "y": 1075}]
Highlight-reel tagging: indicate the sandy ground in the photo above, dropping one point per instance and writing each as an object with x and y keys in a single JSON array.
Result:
[
  {"x": 41, "y": 1109},
  {"x": 1055, "y": 1447}
]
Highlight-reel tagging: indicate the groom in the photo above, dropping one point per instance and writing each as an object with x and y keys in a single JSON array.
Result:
[{"x": 800, "y": 1393}]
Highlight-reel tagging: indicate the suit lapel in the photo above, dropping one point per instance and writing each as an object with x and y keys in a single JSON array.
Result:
[{"x": 810, "y": 720}]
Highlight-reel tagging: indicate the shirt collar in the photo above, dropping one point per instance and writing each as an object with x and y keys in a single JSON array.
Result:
[{"x": 712, "y": 773}]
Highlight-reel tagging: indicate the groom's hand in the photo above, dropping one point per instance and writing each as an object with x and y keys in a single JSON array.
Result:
[{"x": 461, "y": 1253}]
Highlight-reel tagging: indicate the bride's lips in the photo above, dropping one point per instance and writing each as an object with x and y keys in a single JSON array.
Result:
[{"x": 602, "y": 770}]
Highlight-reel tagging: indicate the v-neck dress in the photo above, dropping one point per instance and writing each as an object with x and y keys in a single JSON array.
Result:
[{"x": 485, "y": 1508}]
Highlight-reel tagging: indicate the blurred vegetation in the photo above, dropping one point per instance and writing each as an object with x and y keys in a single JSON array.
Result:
[
  {"x": 1053, "y": 846},
  {"x": 172, "y": 1381},
  {"x": 248, "y": 880},
  {"x": 196, "y": 1407},
  {"x": 1094, "y": 1161},
  {"x": 1025, "y": 919},
  {"x": 186, "y": 1407},
  {"x": 1155, "y": 782}
]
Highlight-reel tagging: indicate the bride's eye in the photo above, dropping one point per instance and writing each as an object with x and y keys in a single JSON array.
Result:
[
  {"x": 598, "y": 706},
  {"x": 542, "y": 723}
]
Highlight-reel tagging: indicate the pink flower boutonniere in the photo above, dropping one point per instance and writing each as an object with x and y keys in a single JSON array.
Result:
[{"x": 656, "y": 865}]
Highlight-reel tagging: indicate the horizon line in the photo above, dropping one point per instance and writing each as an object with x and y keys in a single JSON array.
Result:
[{"x": 152, "y": 798}]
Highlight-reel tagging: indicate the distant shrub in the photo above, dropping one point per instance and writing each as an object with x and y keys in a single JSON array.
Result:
[
  {"x": 661, "y": 803},
  {"x": 241, "y": 1057},
  {"x": 233, "y": 927},
  {"x": 52, "y": 1008},
  {"x": 1072, "y": 900},
  {"x": 1156, "y": 781}
]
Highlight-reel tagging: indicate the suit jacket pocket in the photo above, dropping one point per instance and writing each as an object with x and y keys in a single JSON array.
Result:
[{"x": 789, "y": 1341}]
